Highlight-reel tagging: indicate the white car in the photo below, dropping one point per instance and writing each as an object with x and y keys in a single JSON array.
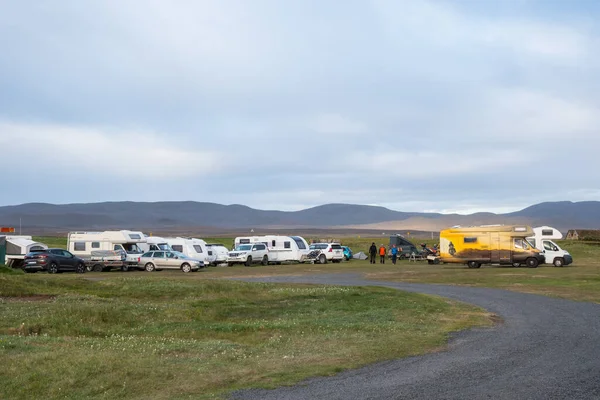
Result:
[
  {"x": 328, "y": 252},
  {"x": 217, "y": 253},
  {"x": 249, "y": 254}
]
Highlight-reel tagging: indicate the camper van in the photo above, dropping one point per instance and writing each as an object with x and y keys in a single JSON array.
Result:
[
  {"x": 542, "y": 239},
  {"x": 281, "y": 248},
  {"x": 191, "y": 247},
  {"x": 489, "y": 244},
  {"x": 17, "y": 246},
  {"x": 154, "y": 243},
  {"x": 84, "y": 244}
]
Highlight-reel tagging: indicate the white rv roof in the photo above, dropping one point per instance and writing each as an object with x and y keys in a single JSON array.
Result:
[{"x": 547, "y": 232}]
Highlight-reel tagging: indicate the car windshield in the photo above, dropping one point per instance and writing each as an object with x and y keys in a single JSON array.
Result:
[{"x": 244, "y": 247}]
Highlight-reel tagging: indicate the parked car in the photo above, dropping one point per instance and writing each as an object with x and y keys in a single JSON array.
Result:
[
  {"x": 53, "y": 261},
  {"x": 347, "y": 253},
  {"x": 157, "y": 260},
  {"x": 328, "y": 252},
  {"x": 217, "y": 253},
  {"x": 249, "y": 254}
]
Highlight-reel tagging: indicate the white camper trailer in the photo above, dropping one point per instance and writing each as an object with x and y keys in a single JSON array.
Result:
[
  {"x": 155, "y": 243},
  {"x": 18, "y": 246},
  {"x": 543, "y": 239},
  {"x": 217, "y": 253},
  {"x": 191, "y": 247},
  {"x": 281, "y": 248},
  {"x": 84, "y": 244}
]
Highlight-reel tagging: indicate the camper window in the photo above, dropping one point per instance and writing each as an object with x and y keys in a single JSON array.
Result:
[
  {"x": 134, "y": 236},
  {"x": 470, "y": 240},
  {"x": 244, "y": 241},
  {"x": 287, "y": 245},
  {"x": 273, "y": 243},
  {"x": 79, "y": 246},
  {"x": 299, "y": 242},
  {"x": 95, "y": 245},
  {"x": 177, "y": 247},
  {"x": 547, "y": 232},
  {"x": 197, "y": 247}
]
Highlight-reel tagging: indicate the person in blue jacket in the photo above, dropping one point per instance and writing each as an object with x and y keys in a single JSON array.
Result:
[{"x": 394, "y": 254}]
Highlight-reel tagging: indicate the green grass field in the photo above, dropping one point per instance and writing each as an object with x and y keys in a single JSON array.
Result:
[
  {"x": 141, "y": 335},
  {"x": 172, "y": 335}
]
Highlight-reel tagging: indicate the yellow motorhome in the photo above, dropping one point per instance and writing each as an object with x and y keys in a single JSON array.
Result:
[{"x": 489, "y": 244}]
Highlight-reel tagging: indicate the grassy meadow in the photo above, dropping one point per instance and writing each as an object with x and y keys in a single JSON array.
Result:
[{"x": 172, "y": 335}]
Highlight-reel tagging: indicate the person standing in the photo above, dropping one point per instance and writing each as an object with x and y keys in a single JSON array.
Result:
[
  {"x": 372, "y": 253},
  {"x": 382, "y": 251},
  {"x": 394, "y": 254}
]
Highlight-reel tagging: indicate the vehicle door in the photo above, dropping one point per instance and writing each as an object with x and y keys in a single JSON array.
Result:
[
  {"x": 551, "y": 251},
  {"x": 159, "y": 259},
  {"x": 70, "y": 259},
  {"x": 172, "y": 260},
  {"x": 59, "y": 258}
]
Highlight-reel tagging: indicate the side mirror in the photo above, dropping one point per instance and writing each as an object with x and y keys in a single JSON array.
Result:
[{"x": 555, "y": 248}]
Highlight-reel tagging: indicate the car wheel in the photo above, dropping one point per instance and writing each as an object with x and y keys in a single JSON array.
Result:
[
  {"x": 230, "y": 264},
  {"x": 81, "y": 269},
  {"x": 53, "y": 268},
  {"x": 150, "y": 267},
  {"x": 248, "y": 261},
  {"x": 125, "y": 268},
  {"x": 558, "y": 262},
  {"x": 265, "y": 260},
  {"x": 98, "y": 268},
  {"x": 186, "y": 268},
  {"x": 516, "y": 264},
  {"x": 532, "y": 262},
  {"x": 473, "y": 264},
  {"x": 322, "y": 259}
]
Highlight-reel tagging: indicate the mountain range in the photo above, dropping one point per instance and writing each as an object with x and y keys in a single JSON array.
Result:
[{"x": 166, "y": 216}]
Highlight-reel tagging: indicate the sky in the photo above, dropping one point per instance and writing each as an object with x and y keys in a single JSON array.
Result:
[{"x": 436, "y": 106}]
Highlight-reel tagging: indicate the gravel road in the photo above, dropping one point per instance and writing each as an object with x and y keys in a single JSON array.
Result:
[{"x": 545, "y": 348}]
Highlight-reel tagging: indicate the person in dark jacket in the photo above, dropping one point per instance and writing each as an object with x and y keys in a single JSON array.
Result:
[{"x": 373, "y": 253}]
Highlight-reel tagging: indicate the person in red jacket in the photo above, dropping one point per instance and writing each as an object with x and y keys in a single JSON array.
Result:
[{"x": 382, "y": 252}]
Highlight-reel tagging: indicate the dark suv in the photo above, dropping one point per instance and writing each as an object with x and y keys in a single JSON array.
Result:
[{"x": 53, "y": 261}]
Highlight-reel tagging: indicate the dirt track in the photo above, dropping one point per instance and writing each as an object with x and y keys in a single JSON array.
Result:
[{"x": 545, "y": 349}]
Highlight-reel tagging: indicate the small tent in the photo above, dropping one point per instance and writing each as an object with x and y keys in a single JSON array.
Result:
[{"x": 360, "y": 256}]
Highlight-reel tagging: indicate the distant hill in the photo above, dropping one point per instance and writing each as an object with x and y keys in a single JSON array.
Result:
[{"x": 175, "y": 215}]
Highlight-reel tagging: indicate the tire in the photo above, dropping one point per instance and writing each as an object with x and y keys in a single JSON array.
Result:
[
  {"x": 473, "y": 264},
  {"x": 125, "y": 268},
  {"x": 516, "y": 264},
  {"x": 248, "y": 261},
  {"x": 322, "y": 259},
  {"x": 230, "y": 264},
  {"x": 265, "y": 260},
  {"x": 532, "y": 262},
  {"x": 81, "y": 268},
  {"x": 186, "y": 268},
  {"x": 53, "y": 268},
  {"x": 559, "y": 262},
  {"x": 98, "y": 268},
  {"x": 150, "y": 267}
]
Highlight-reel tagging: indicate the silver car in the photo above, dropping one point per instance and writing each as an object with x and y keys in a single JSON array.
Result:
[{"x": 164, "y": 259}]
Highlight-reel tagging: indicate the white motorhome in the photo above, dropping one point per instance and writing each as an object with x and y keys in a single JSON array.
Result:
[
  {"x": 83, "y": 244},
  {"x": 191, "y": 247},
  {"x": 155, "y": 243},
  {"x": 542, "y": 239},
  {"x": 281, "y": 248},
  {"x": 17, "y": 246}
]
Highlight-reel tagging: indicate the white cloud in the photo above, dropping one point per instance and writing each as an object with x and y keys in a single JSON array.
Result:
[
  {"x": 337, "y": 124},
  {"x": 121, "y": 154}
]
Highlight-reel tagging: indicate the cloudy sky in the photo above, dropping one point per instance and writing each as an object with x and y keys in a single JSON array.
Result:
[{"x": 448, "y": 106}]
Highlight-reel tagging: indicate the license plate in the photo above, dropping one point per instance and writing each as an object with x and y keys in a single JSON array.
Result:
[{"x": 30, "y": 262}]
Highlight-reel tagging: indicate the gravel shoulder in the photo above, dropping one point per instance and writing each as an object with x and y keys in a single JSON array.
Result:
[{"x": 545, "y": 348}]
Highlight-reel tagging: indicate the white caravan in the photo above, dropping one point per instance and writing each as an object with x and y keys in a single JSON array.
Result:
[
  {"x": 542, "y": 239},
  {"x": 155, "y": 243},
  {"x": 191, "y": 247},
  {"x": 281, "y": 248},
  {"x": 18, "y": 246},
  {"x": 83, "y": 244},
  {"x": 217, "y": 253}
]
